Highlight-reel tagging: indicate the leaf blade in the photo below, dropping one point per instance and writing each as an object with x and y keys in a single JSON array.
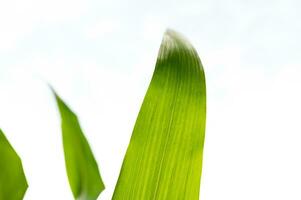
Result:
[
  {"x": 13, "y": 183},
  {"x": 164, "y": 157},
  {"x": 82, "y": 169}
]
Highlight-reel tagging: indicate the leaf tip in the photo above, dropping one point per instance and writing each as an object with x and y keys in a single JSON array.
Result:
[{"x": 173, "y": 36}]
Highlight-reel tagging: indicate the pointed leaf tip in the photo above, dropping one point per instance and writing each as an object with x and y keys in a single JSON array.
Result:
[{"x": 82, "y": 169}]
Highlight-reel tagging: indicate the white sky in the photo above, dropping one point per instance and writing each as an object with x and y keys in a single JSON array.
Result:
[{"x": 100, "y": 55}]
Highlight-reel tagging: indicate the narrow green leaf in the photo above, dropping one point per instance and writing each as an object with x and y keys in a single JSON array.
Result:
[
  {"x": 82, "y": 169},
  {"x": 164, "y": 157},
  {"x": 13, "y": 184}
]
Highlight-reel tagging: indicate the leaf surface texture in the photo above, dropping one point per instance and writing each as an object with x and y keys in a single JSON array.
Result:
[{"x": 164, "y": 157}]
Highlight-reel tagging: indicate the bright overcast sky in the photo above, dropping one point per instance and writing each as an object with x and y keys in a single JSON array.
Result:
[{"x": 100, "y": 55}]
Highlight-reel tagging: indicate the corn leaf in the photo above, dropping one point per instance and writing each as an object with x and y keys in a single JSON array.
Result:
[
  {"x": 13, "y": 184},
  {"x": 164, "y": 157},
  {"x": 82, "y": 169}
]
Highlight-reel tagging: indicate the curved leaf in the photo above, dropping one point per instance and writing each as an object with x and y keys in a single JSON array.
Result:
[
  {"x": 164, "y": 157},
  {"x": 13, "y": 184},
  {"x": 82, "y": 169}
]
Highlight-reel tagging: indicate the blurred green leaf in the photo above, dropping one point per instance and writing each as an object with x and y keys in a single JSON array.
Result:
[
  {"x": 164, "y": 157},
  {"x": 13, "y": 184},
  {"x": 82, "y": 169}
]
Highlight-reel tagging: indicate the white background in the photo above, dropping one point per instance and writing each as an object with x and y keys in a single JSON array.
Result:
[{"x": 100, "y": 55}]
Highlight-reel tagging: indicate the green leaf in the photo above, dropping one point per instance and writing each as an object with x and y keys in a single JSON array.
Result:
[
  {"x": 164, "y": 157},
  {"x": 13, "y": 184},
  {"x": 82, "y": 169}
]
